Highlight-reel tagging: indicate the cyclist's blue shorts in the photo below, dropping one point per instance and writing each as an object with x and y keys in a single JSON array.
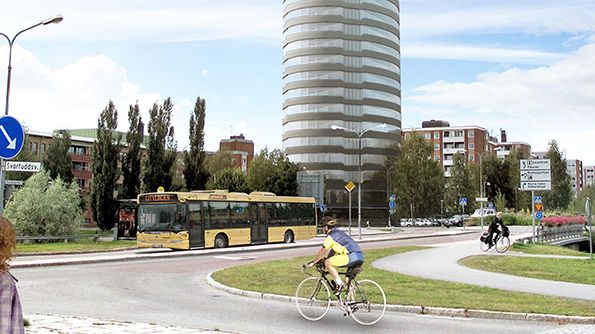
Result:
[{"x": 355, "y": 257}]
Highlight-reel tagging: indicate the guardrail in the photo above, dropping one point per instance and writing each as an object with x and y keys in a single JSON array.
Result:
[
  {"x": 65, "y": 238},
  {"x": 552, "y": 234}
]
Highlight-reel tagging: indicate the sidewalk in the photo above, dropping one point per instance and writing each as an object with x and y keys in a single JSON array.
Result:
[
  {"x": 45, "y": 323},
  {"x": 441, "y": 263}
]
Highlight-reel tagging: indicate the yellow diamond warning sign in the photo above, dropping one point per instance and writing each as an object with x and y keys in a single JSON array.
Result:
[{"x": 350, "y": 186}]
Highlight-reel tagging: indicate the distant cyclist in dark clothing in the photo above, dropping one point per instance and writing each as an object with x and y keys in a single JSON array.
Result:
[{"x": 493, "y": 229}]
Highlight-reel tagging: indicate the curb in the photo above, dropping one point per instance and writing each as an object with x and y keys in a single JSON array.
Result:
[
  {"x": 215, "y": 251},
  {"x": 427, "y": 310}
]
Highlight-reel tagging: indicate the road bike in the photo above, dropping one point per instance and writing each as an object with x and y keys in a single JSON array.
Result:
[
  {"x": 363, "y": 300},
  {"x": 501, "y": 243}
]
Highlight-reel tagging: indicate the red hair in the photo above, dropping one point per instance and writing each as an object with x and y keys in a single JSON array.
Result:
[{"x": 8, "y": 242}]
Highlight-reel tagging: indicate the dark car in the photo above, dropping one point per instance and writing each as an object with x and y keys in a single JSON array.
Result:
[{"x": 456, "y": 220}]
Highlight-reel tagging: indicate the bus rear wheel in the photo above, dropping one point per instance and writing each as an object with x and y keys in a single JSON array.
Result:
[
  {"x": 221, "y": 241},
  {"x": 289, "y": 237}
]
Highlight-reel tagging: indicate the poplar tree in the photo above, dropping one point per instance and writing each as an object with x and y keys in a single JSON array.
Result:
[
  {"x": 195, "y": 172},
  {"x": 561, "y": 194},
  {"x": 131, "y": 162},
  {"x": 161, "y": 150},
  {"x": 57, "y": 160},
  {"x": 105, "y": 168}
]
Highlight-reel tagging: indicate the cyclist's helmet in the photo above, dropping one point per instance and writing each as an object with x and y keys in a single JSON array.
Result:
[{"x": 329, "y": 222}]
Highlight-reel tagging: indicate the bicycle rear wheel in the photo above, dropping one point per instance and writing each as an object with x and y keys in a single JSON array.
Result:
[
  {"x": 313, "y": 298},
  {"x": 502, "y": 244},
  {"x": 367, "y": 301}
]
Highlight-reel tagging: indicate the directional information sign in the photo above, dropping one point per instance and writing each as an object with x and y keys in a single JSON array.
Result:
[
  {"x": 12, "y": 137},
  {"x": 533, "y": 164},
  {"x": 536, "y": 174}
]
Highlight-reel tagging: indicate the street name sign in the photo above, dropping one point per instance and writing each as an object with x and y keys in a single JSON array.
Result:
[
  {"x": 481, "y": 199},
  {"x": 535, "y": 174},
  {"x": 12, "y": 137},
  {"x": 23, "y": 166}
]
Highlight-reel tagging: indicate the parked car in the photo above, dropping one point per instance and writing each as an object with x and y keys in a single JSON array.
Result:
[
  {"x": 487, "y": 212},
  {"x": 456, "y": 220}
]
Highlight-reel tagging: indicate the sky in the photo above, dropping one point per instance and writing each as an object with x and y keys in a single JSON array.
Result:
[{"x": 527, "y": 67}]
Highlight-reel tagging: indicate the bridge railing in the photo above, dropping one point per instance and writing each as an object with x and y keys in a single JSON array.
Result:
[{"x": 549, "y": 234}]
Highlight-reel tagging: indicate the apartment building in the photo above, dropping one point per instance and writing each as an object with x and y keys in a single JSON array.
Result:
[
  {"x": 588, "y": 175},
  {"x": 473, "y": 141},
  {"x": 504, "y": 147},
  {"x": 574, "y": 168}
]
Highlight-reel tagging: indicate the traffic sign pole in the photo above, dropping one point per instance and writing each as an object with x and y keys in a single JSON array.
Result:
[
  {"x": 12, "y": 138},
  {"x": 533, "y": 215}
]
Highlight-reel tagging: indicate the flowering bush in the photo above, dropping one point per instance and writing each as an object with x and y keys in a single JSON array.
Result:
[{"x": 563, "y": 220}]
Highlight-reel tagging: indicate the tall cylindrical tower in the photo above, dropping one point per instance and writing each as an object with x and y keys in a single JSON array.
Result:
[{"x": 341, "y": 61}]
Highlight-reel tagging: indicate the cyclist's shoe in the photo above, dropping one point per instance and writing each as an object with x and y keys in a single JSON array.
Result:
[{"x": 339, "y": 288}]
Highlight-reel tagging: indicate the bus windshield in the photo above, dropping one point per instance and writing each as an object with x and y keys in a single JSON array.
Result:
[{"x": 161, "y": 217}]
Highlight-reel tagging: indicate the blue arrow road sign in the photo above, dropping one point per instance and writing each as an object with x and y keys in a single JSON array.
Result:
[
  {"x": 539, "y": 215},
  {"x": 12, "y": 137},
  {"x": 322, "y": 208}
]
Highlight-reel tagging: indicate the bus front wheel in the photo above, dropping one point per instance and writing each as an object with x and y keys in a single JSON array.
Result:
[
  {"x": 220, "y": 241},
  {"x": 289, "y": 237}
]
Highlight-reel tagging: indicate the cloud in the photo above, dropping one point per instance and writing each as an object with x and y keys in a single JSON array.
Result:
[
  {"x": 72, "y": 96},
  {"x": 137, "y": 20},
  {"x": 534, "y": 105},
  {"x": 204, "y": 73}
]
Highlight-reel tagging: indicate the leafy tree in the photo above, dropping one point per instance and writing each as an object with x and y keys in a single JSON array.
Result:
[
  {"x": 498, "y": 174},
  {"x": 195, "y": 172},
  {"x": 579, "y": 203},
  {"x": 500, "y": 201},
  {"x": 458, "y": 184},
  {"x": 131, "y": 162},
  {"x": 43, "y": 207},
  {"x": 271, "y": 171},
  {"x": 561, "y": 194},
  {"x": 520, "y": 199},
  {"x": 105, "y": 168},
  {"x": 219, "y": 161},
  {"x": 231, "y": 179},
  {"x": 418, "y": 179},
  {"x": 161, "y": 150},
  {"x": 57, "y": 159}
]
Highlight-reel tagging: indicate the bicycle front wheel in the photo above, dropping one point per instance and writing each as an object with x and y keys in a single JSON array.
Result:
[
  {"x": 367, "y": 301},
  {"x": 484, "y": 246},
  {"x": 502, "y": 244},
  {"x": 313, "y": 298}
]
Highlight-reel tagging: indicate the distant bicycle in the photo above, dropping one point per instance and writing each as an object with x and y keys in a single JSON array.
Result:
[
  {"x": 501, "y": 242},
  {"x": 364, "y": 300}
]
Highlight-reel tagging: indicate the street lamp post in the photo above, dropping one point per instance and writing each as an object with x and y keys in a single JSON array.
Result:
[
  {"x": 359, "y": 134},
  {"x": 54, "y": 19}
]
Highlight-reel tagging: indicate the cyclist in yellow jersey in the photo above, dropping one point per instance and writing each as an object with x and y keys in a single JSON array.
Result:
[{"x": 345, "y": 251}]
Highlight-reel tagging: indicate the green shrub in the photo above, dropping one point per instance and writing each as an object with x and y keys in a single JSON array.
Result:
[{"x": 45, "y": 207}]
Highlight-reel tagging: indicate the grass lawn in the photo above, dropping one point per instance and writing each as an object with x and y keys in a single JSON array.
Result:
[
  {"x": 545, "y": 249},
  {"x": 79, "y": 245},
  {"x": 565, "y": 270},
  {"x": 283, "y": 276}
]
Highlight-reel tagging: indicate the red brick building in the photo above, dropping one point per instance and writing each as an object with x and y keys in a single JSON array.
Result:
[{"x": 241, "y": 149}]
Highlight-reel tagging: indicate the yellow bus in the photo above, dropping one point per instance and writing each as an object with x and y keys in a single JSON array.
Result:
[{"x": 217, "y": 218}]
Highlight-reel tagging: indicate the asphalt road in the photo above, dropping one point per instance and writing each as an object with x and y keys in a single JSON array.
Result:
[{"x": 174, "y": 291}]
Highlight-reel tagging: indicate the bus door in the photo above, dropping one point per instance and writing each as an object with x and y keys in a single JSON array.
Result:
[
  {"x": 259, "y": 229},
  {"x": 196, "y": 225}
]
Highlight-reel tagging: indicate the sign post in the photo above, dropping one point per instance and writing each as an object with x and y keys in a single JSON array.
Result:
[
  {"x": 589, "y": 219},
  {"x": 349, "y": 187},
  {"x": 481, "y": 200},
  {"x": 391, "y": 205},
  {"x": 12, "y": 138},
  {"x": 463, "y": 202},
  {"x": 535, "y": 175}
]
